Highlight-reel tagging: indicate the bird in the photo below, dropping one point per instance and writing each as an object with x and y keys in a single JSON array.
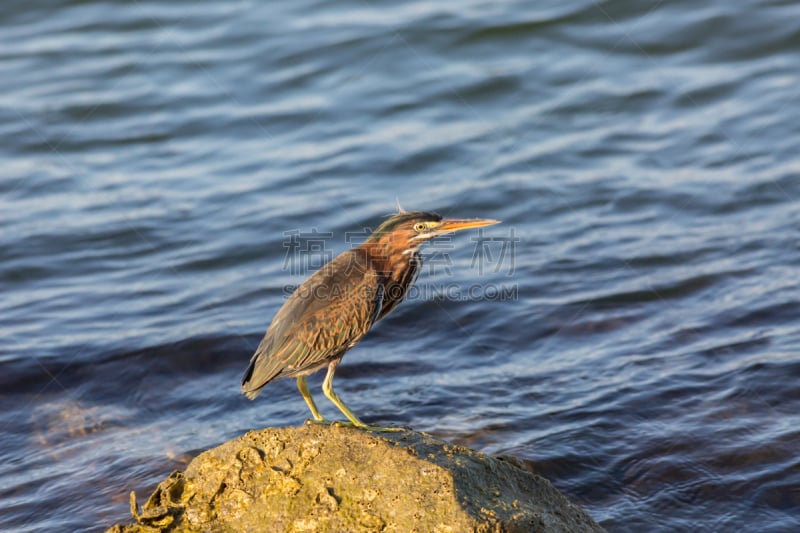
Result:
[{"x": 337, "y": 305}]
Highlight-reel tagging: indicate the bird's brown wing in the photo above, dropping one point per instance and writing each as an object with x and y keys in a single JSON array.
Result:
[{"x": 330, "y": 312}]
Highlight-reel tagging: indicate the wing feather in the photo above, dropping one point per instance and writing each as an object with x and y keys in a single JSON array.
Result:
[{"x": 330, "y": 312}]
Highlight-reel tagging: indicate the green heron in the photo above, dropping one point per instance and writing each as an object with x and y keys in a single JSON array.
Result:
[{"x": 334, "y": 308}]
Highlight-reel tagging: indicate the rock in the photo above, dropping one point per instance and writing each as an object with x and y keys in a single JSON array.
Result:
[{"x": 327, "y": 478}]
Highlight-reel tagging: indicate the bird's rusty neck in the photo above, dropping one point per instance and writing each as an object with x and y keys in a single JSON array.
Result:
[{"x": 390, "y": 260}]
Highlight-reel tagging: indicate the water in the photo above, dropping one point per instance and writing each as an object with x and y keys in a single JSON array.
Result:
[{"x": 644, "y": 355}]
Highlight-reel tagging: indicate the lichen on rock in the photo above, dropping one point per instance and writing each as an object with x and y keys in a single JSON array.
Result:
[{"x": 318, "y": 478}]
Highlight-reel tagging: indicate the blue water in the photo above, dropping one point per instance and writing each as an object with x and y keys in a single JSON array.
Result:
[{"x": 637, "y": 342}]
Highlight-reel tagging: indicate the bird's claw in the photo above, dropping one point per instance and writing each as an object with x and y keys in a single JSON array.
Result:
[
  {"x": 366, "y": 427},
  {"x": 319, "y": 422},
  {"x": 347, "y": 424}
]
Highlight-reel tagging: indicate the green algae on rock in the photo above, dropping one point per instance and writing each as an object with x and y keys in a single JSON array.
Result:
[{"x": 327, "y": 478}]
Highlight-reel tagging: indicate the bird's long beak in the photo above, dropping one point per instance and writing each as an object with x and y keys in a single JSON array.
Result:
[{"x": 449, "y": 225}]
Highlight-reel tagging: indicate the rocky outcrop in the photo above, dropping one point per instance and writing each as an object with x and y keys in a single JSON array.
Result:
[{"x": 327, "y": 478}]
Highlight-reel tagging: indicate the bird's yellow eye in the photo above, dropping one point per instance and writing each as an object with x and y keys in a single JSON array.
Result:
[{"x": 419, "y": 227}]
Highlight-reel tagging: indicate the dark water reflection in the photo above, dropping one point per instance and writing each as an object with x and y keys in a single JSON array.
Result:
[{"x": 644, "y": 153}]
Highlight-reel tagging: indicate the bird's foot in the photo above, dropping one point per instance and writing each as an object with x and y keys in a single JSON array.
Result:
[
  {"x": 319, "y": 422},
  {"x": 366, "y": 427}
]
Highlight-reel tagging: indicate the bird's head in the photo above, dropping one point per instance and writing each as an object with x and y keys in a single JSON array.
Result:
[{"x": 405, "y": 232}]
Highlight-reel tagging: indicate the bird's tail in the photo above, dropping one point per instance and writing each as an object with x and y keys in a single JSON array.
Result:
[
  {"x": 247, "y": 388},
  {"x": 251, "y": 394}
]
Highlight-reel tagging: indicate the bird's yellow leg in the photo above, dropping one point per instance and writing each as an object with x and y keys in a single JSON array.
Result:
[
  {"x": 327, "y": 389},
  {"x": 302, "y": 385}
]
